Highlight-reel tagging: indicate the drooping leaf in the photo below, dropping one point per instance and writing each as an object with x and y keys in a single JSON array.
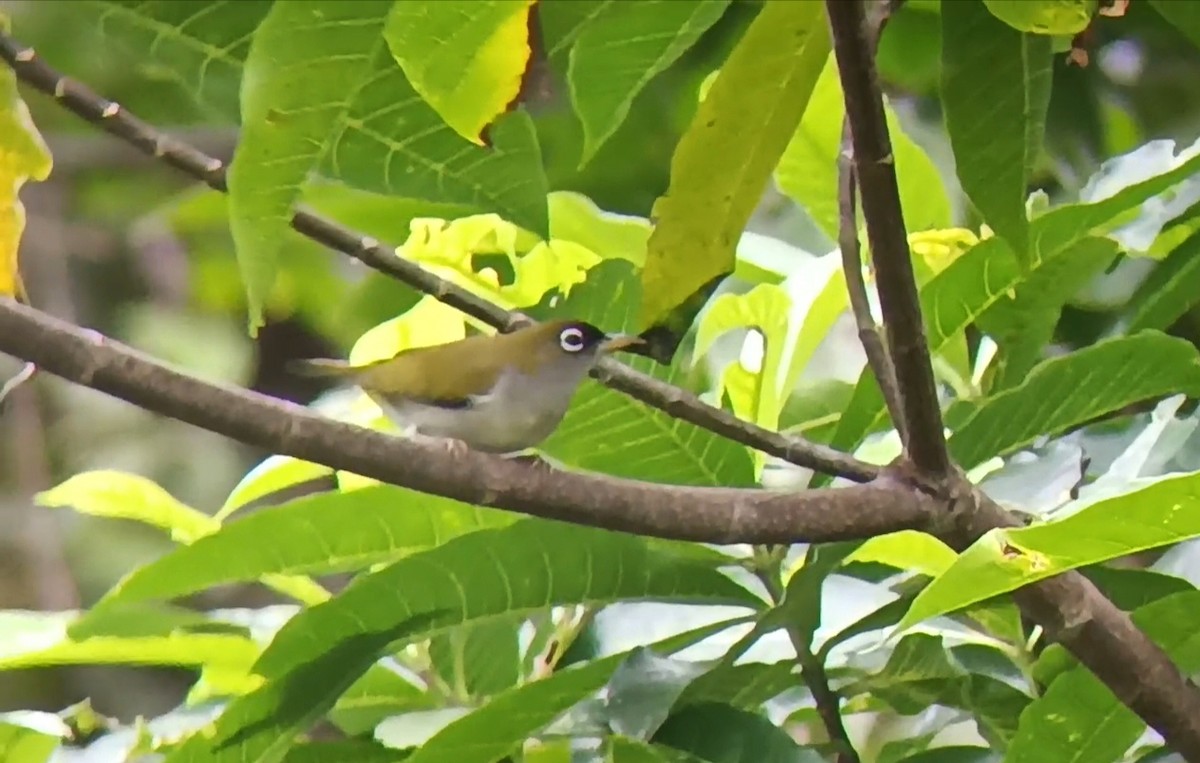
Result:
[
  {"x": 995, "y": 91},
  {"x": 526, "y": 566},
  {"x": 320, "y": 534},
  {"x": 305, "y": 66},
  {"x": 1068, "y": 390},
  {"x": 358, "y": 750},
  {"x": 620, "y": 49},
  {"x": 747, "y": 685},
  {"x": 807, "y": 171},
  {"x": 727, "y": 154},
  {"x": 24, "y": 156},
  {"x": 1159, "y": 514},
  {"x": 1079, "y": 719},
  {"x": 466, "y": 59}
]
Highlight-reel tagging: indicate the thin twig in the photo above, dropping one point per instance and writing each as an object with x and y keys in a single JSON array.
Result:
[
  {"x": 895, "y": 282},
  {"x": 868, "y": 330},
  {"x": 812, "y": 671},
  {"x": 712, "y": 515},
  {"x": 679, "y": 403}
]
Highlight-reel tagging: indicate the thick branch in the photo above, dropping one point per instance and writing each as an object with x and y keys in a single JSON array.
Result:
[
  {"x": 895, "y": 282},
  {"x": 713, "y": 515},
  {"x": 679, "y": 403}
]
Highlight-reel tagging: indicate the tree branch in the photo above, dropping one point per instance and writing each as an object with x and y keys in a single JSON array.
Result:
[
  {"x": 1070, "y": 608},
  {"x": 895, "y": 282},
  {"x": 680, "y": 403},
  {"x": 712, "y": 515}
]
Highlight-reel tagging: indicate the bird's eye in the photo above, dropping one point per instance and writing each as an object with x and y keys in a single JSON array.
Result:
[{"x": 571, "y": 340}]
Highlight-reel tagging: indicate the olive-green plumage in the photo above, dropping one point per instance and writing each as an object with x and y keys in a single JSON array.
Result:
[{"x": 499, "y": 393}]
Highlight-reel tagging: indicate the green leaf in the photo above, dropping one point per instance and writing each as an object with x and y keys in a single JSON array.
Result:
[
  {"x": 1066, "y": 391},
  {"x": 216, "y": 650},
  {"x": 527, "y": 566},
  {"x": 1171, "y": 290},
  {"x": 273, "y": 474},
  {"x": 726, "y": 156},
  {"x": 764, "y": 308},
  {"x": 621, "y": 48},
  {"x": 807, "y": 171},
  {"x": 30, "y": 737},
  {"x": 995, "y": 92},
  {"x": 921, "y": 672},
  {"x": 118, "y": 495},
  {"x": 479, "y": 659},
  {"x": 306, "y": 64},
  {"x": 466, "y": 59},
  {"x": 748, "y": 685},
  {"x": 1165, "y": 512},
  {"x": 723, "y": 734},
  {"x": 319, "y": 534},
  {"x": 388, "y": 140},
  {"x": 357, "y": 750},
  {"x": 1052, "y": 17},
  {"x": 642, "y": 690},
  {"x": 1023, "y": 324},
  {"x": 507, "y": 720},
  {"x": 1183, "y": 16},
  {"x": 199, "y": 44},
  {"x": 380, "y": 692},
  {"x": 575, "y": 217},
  {"x": 605, "y": 431},
  {"x": 1112, "y": 197},
  {"x": 950, "y": 302},
  {"x": 1079, "y": 720}
]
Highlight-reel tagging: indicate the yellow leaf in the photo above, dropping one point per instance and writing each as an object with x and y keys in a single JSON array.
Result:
[{"x": 23, "y": 156}]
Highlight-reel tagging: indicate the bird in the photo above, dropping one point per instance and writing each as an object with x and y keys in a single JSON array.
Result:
[{"x": 501, "y": 393}]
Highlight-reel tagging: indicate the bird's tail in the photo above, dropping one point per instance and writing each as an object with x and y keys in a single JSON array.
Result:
[{"x": 322, "y": 367}]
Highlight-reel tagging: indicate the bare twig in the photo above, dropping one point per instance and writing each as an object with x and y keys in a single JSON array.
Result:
[
  {"x": 812, "y": 672},
  {"x": 679, "y": 403},
  {"x": 860, "y": 305},
  {"x": 714, "y": 515},
  {"x": 896, "y": 284}
]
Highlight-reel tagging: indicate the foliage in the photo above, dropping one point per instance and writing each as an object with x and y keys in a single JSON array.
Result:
[{"x": 473, "y": 634}]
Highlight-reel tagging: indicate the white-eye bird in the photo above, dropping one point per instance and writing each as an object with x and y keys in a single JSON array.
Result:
[{"x": 500, "y": 393}]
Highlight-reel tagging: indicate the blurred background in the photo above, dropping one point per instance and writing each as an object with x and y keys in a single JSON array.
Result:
[{"x": 134, "y": 249}]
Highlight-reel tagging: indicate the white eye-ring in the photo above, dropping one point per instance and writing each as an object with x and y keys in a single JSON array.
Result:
[{"x": 571, "y": 340}]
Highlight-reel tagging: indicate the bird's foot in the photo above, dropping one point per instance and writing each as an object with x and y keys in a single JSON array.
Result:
[
  {"x": 451, "y": 445},
  {"x": 535, "y": 460}
]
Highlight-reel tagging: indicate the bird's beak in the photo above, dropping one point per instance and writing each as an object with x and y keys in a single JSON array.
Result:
[{"x": 614, "y": 342}]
